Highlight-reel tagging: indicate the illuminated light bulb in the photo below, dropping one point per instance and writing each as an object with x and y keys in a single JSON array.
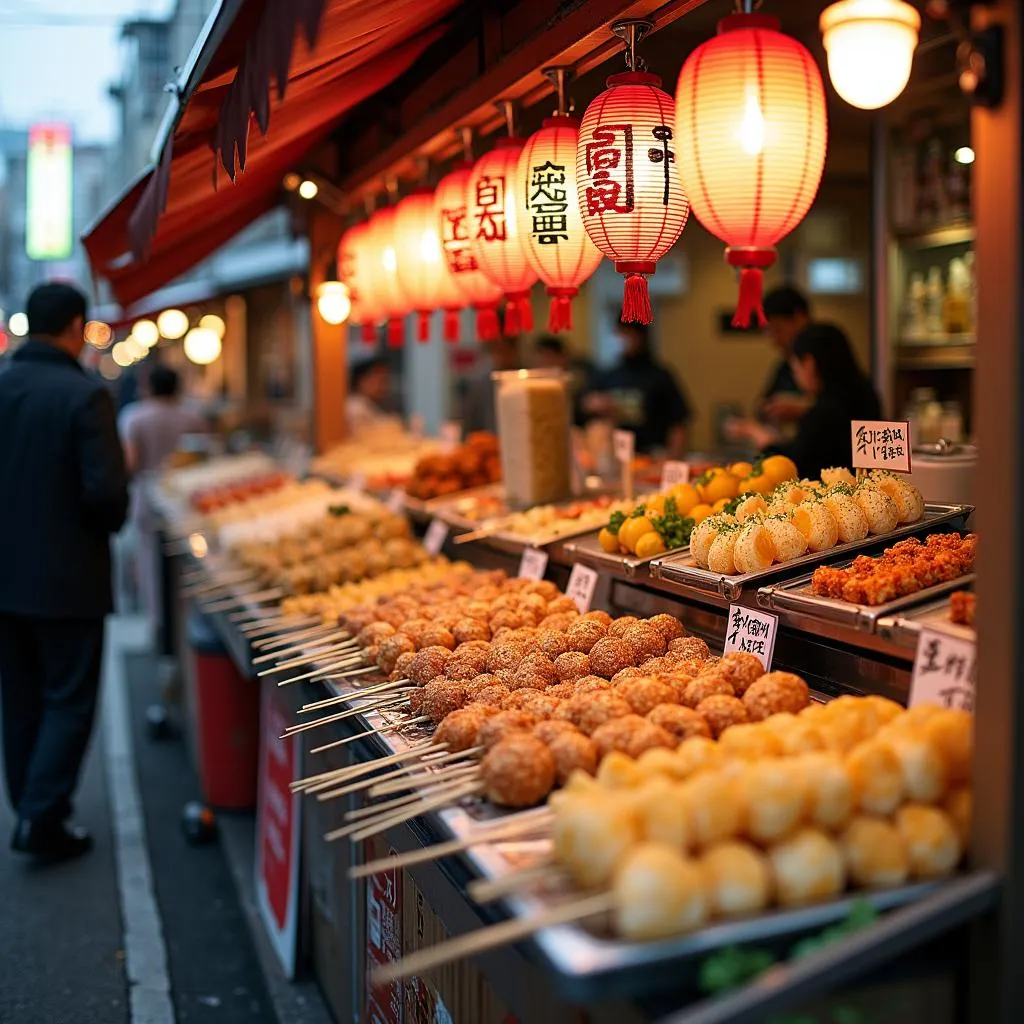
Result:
[
  {"x": 202, "y": 346},
  {"x": 134, "y": 348},
  {"x": 146, "y": 333},
  {"x": 18, "y": 325},
  {"x": 172, "y": 323},
  {"x": 870, "y": 46},
  {"x": 751, "y": 130},
  {"x": 212, "y": 322},
  {"x": 964, "y": 155},
  {"x": 291, "y": 181},
  {"x": 308, "y": 189},
  {"x": 98, "y": 334},
  {"x": 333, "y": 302},
  {"x": 122, "y": 355}
]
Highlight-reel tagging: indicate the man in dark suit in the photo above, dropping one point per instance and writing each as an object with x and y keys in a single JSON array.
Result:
[{"x": 63, "y": 491}]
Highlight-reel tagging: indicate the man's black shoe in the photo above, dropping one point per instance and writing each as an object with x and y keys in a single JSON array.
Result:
[{"x": 51, "y": 842}]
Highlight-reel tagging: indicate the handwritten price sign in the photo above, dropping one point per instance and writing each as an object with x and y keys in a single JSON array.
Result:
[
  {"x": 582, "y": 582},
  {"x": 673, "y": 473},
  {"x": 436, "y": 535},
  {"x": 533, "y": 564},
  {"x": 945, "y": 669},
  {"x": 881, "y": 444},
  {"x": 753, "y": 632},
  {"x": 623, "y": 444}
]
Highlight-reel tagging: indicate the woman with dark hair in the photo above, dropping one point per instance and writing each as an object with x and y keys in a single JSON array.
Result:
[{"x": 825, "y": 370}]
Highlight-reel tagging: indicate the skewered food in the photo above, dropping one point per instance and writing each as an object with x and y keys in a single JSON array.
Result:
[{"x": 519, "y": 771}]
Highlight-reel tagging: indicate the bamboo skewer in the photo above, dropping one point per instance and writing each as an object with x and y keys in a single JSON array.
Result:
[
  {"x": 271, "y": 594},
  {"x": 416, "y": 750},
  {"x": 522, "y": 824},
  {"x": 334, "y": 669},
  {"x": 400, "y": 817},
  {"x": 283, "y": 647},
  {"x": 487, "y": 890},
  {"x": 305, "y": 726},
  {"x": 363, "y": 816},
  {"x": 367, "y": 783},
  {"x": 483, "y": 939},
  {"x": 358, "y": 736},
  {"x": 420, "y": 785},
  {"x": 295, "y": 638},
  {"x": 281, "y": 624},
  {"x": 454, "y": 756},
  {"x": 320, "y": 654},
  {"x": 351, "y": 694}
]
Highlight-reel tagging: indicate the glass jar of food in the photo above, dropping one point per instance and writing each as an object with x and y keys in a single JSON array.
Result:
[{"x": 534, "y": 416}]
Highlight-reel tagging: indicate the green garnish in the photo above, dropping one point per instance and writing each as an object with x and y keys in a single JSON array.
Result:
[
  {"x": 640, "y": 510},
  {"x": 339, "y": 510},
  {"x": 615, "y": 522}
]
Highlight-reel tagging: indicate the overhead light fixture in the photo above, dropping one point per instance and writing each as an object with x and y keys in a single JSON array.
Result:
[
  {"x": 146, "y": 333},
  {"x": 202, "y": 346},
  {"x": 964, "y": 155},
  {"x": 291, "y": 181},
  {"x": 308, "y": 189},
  {"x": 135, "y": 348},
  {"x": 122, "y": 355},
  {"x": 870, "y": 46},
  {"x": 172, "y": 323},
  {"x": 98, "y": 334},
  {"x": 214, "y": 323},
  {"x": 333, "y": 302},
  {"x": 18, "y": 325}
]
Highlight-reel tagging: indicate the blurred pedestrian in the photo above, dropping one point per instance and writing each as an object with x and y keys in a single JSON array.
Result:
[
  {"x": 65, "y": 491},
  {"x": 368, "y": 395}
]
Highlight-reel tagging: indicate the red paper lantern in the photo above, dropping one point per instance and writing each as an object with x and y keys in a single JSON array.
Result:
[
  {"x": 633, "y": 205},
  {"x": 385, "y": 288},
  {"x": 473, "y": 285},
  {"x": 751, "y": 105},
  {"x": 557, "y": 244},
  {"x": 496, "y": 230},
  {"x": 354, "y": 265},
  {"x": 422, "y": 269}
]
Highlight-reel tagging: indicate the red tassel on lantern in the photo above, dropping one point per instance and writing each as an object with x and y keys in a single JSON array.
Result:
[
  {"x": 487, "y": 326},
  {"x": 560, "y": 309},
  {"x": 752, "y": 263},
  {"x": 636, "y": 298},
  {"x": 518, "y": 314},
  {"x": 451, "y": 325},
  {"x": 368, "y": 331},
  {"x": 396, "y": 332},
  {"x": 423, "y": 325}
]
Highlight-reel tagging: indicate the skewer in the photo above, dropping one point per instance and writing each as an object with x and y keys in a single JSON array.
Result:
[
  {"x": 282, "y": 624},
  {"x": 365, "y": 783},
  {"x": 384, "y": 788},
  {"x": 282, "y": 647},
  {"x": 424, "y": 780},
  {"x": 384, "y": 729},
  {"x": 363, "y": 816},
  {"x": 342, "y": 697},
  {"x": 522, "y": 824},
  {"x": 487, "y": 890},
  {"x": 401, "y": 817},
  {"x": 339, "y": 775},
  {"x": 484, "y": 939},
  {"x": 271, "y": 594},
  {"x": 313, "y": 656},
  {"x": 328, "y": 670},
  {"x": 481, "y": 533},
  {"x": 304, "y": 726},
  {"x": 353, "y": 771}
]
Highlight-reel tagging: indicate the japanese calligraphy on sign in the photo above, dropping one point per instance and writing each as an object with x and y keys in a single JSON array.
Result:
[
  {"x": 489, "y": 211},
  {"x": 547, "y": 202},
  {"x": 673, "y": 473},
  {"x": 455, "y": 240},
  {"x": 581, "y": 586},
  {"x": 610, "y": 167},
  {"x": 880, "y": 444},
  {"x": 533, "y": 564},
  {"x": 944, "y": 671},
  {"x": 753, "y": 632}
]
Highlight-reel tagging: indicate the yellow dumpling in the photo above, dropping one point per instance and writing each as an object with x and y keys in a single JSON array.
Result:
[
  {"x": 853, "y": 524},
  {"x": 807, "y": 868},
  {"x": 591, "y": 835},
  {"x": 717, "y": 807},
  {"x": 658, "y": 894},
  {"x": 830, "y": 790},
  {"x": 750, "y": 506},
  {"x": 817, "y": 524},
  {"x": 777, "y": 798},
  {"x": 704, "y": 535},
  {"x": 720, "y": 554},
  {"x": 694, "y": 755},
  {"x": 875, "y": 852},
  {"x": 663, "y": 813},
  {"x": 880, "y": 510},
  {"x": 932, "y": 842},
  {"x": 754, "y": 549},
  {"x": 737, "y": 877},
  {"x": 788, "y": 541}
]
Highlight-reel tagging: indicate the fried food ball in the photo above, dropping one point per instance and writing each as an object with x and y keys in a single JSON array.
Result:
[
  {"x": 590, "y": 836},
  {"x": 543, "y": 705},
  {"x": 645, "y": 694},
  {"x": 830, "y": 790},
  {"x": 933, "y": 846},
  {"x": 632, "y": 672},
  {"x": 588, "y": 711},
  {"x": 549, "y": 728},
  {"x": 777, "y": 796},
  {"x": 505, "y": 620},
  {"x": 563, "y": 691},
  {"x": 460, "y": 728},
  {"x": 721, "y": 711},
  {"x": 560, "y": 621},
  {"x": 553, "y": 643},
  {"x": 691, "y": 647},
  {"x": 609, "y": 656},
  {"x": 402, "y": 663},
  {"x": 582, "y": 635},
  {"x": 441, "y": 697},
  {"x": 697, "y": 754},
  {"x": 391, "y": 648},
  {"x": 504, "y": 724},
  {"x": 877, "y": 777},
  {"x": 738, "y": 878},
  {"x": 681, "y": 722},
  {"x": 648, "y": 737},
  {"x": 741, "y": 669},
  {"x": 506, "y": 655},
  {"x": 437, "y": 636},
  {"x": 646, "y": 641},
  {"x": 658, "y": 894},
  {"x": 571, "y": 666},
  {"x": 663, "y": 811},
  {"x": 796, "y": 736},
  {"x": 874, "y": 852},
  {"x": 617, "y": 734},
  {"x": 489, "y": 696},
  {"x": 656, "y": 666},
  {"x": 660, "y": 762},
  {"x": 592, "y": 684},
  {"x": 951, "y": 733},
  {"x": 466, "y": 665},
  {"x": 478, "y": 683},
  {"x": 749, "y": 741},
  {"x": 597, "y": 615},
  {"x": 617, "y": 770},
  {"x": 428, "y": 663},
  {"x": 471, "y": 629},
  {"x": 517, "y": 699},
  {"x": 806, "y": 868},
  {"x": 679, "y": 682},
  {"x": 621, "y": 624},
  {"x": 572, "y": 751},
  {"x": 717, "y": 806},
  {"x": 668, "y": 626},
  {"x": 535, "y": 672},
  {"x": 374, "y": 633},
  {"x": 925, "y": 777},
  {"x": 705, "y": 686},
  {"x": 415, "y": 700},
  {"x": 775, "y": 692},
  {"x": 958, "y": 805},
  {"x": 518, "y": 771}
]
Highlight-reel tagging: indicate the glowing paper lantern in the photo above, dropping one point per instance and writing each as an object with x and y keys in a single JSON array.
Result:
[
  {"x": 751, "y": 105},
  {"x": 473, "y": 285},
  {"x": 633, "y": 205},
  {"x": 422, "y": 270},
  {"x": 383, "y": 273},
  {"x": 870, "y": 46},
  {"x": 497, "y": 230},
  {"x": 557, "y": 244},
  {"x": 353, "y": 272}
]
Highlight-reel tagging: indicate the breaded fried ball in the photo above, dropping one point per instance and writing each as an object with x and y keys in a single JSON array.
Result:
[
  {"x": 477, "y": 683},
  {"x": 441, "y": 697},
  {"x": 646, "y": 641},
  {"x": 609, "y": 656},
  {"x": 563, "y": 691},
  {"x": 553, "y": 643},
  {"x": 427, "y": 664},
  {"x": 460, "y": 728},
  {"x": 489, "y": 696},
  {"x": 775, "y": 692},
  {"x": 391, "y": 648},
  {"x": 548, "y": 729},
  {"x": 543, "y": 705},
  {"x": 668, "y": 626},
  {"x": 584, "y": 634},
  {"x": 645, "y": 694},
  {"x": 437, "y": 636},
  {"x": 690, "y": 647},
  {"x": 741, "y": 669},
  {"x": 402, "y": 663},
  {"x": 471, "y": 629},
  {"x": 374, "y": 633},
  {"x": 679, "y": 721},
  {"x": 589, "y": 710},
  {"x": 592, "y": 684},
  {"x": 721, "y": 711},
  {"x": 466, "y": 665},
  {"x": 572, "y": 752},
  {"x": 506, "y": 655},
  {"x": 535, "y": 672},
  {"x": 647, "y": 737},
  {"x": 621, "y": 624},
  {"x": 519, "y": 771},
  {"x": 504, "y": 724},
  {"x": 707, "y": 686},
  {"x": 572, "y": 666},
  {"x": 597, "y": 615},
  {"x": 616, "y": 734}
]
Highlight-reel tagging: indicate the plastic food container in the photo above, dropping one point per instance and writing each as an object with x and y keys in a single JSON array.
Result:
[{"x": 533, "y": 410}]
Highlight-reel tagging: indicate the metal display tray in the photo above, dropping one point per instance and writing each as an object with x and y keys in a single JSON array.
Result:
[
  {"x": 680, "y": 568},
  {"x": 797, "y": 597},
  {"x": 904, "y": 630},
  {"x": 588, "y": 551},
  {"x": 449, "y": 507}
]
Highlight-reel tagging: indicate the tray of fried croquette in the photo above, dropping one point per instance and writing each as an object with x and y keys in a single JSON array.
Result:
[
  {"x": 903, "y": 628},
  {"x": 681, "y": 568}
]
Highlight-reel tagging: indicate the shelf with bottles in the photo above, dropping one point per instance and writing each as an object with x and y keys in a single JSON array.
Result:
[
  {"x": 935, "y": 357},
  {"x": 936, "y": 237},
  {"x": 941, "y": 339}
]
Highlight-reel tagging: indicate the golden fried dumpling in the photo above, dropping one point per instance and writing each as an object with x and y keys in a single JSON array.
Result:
[
  {"x": 932, "y": 843},
  {"x": 850, "y": 517},
  {"x": 663, "y": 813},
  {"x": 951, "y": 732},
  {"x": 721, "y": 553},
  {"x": 717, "y": 807},
  {"x": 925, "y": 777},
  {"x": 752, "y": 505},
  {"x": 875, "y": 852},
  {"x": 796, "y": 736},
  {"x": 787, "y": 540},
  {"x": 877, "y": 776},
  {"x": 737, "y": 877},
  {"x": 753, "y": 550},
  {"x": 908, "y": 499},
  {"x": 704, "y": 534},
  {"x": 619, "y": 771},
  {"x": 661, "y": 762},
  {"x": 591, "y": 834},
  {"x": 829, "y": 789},
  {"x": 658, "y": 894},
  {"x": 817, "y": 524},
  {"x": 959, "y": 805},
  {"x": 837, "y": 475},
  {"x": 806, "y": 868},
  {"x": 696, "y": 754},
  {"x": 777, "y": 794},
  {"x": 880, "y": 510},
  {"x": 750, "y": 741}
]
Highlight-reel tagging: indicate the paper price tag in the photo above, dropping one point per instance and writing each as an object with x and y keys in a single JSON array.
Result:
[
  {"x": 450, "y": 435},
  {"x": 396, "y": 500},
  {"x": 436, "y": 535},
  {"x": 673, "y": 473},
  {"x": 533, "y": 564},
  {"x": 945, "y": 670},
  {"x": 623, "y": 445},
  {"x": 582, "y": 583},
  {"x": 881, "y": 444},
  {"x": 752, "y": 631}
]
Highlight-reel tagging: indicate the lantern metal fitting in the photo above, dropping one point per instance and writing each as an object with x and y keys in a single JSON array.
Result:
[
  {"x": 560, "y": 79},
  {"x": 507, "y": 109},
  {"x": 465, "y": 136},
  {"x": 632, "y": 31}
]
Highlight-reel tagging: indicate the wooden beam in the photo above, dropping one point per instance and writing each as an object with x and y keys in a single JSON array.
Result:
[{"x": 464, "y": 93}]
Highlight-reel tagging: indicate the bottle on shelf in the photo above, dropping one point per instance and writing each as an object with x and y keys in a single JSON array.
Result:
[
  {"x": 972, "y": 291},
  {"x": 951, "y": 425},
  {"x": 956, "y": 307},
  {"x": 913, "y": 308},
  {"x": 934, "y": 301}
]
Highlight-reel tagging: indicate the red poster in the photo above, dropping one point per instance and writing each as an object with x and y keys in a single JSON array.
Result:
[{"x": 384, "y": 944}]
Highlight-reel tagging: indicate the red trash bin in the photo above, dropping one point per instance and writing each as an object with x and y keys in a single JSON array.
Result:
[{"x": 227, "y": 721}]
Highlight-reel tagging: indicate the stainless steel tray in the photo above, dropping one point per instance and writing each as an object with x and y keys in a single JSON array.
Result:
[
  {"x": 452, "y": 507},
  {"x": 680, "y": 568},
  {"x": 588, "y": 551},
  {"x": 904, "y": 630},
  {"x": 796, "y": 596}
]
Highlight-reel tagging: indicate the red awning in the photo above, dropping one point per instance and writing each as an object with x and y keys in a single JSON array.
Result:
[{"x": 187, "y": 206}]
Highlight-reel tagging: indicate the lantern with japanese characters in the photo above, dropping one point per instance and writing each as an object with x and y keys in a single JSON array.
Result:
[
  {"x": 422, "y": 270},
  {"x": 384, "y": 285},
  {"x": 474, "y": 287},
  {"x": 632, "y": 202},
  {"x": 354, "y": 272},
  {"x": 557, "y": 244},
  {"x": 751, "y": 105},
  {"x": 496, "y": 230}
]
